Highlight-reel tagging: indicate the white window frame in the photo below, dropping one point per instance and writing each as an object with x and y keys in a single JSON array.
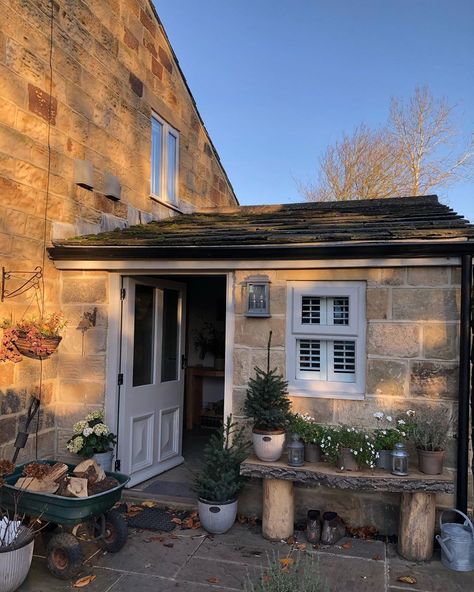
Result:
[
  {"x": 165, "y": 196},
  {"x": 326, "y": 383}
]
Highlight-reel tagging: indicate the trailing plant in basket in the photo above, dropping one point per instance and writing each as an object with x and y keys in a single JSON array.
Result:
[
  {"x": 91, "y": 436},
  {"x": 40, "y": 336},
  {"x": 219, "y": 479}
]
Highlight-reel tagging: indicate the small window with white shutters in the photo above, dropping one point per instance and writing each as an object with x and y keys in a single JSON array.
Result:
[{"x": 326, "y": 339}]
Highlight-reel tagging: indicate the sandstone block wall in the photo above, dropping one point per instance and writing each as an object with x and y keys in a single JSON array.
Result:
[
  {"x": 412, "y": 362},
  {"x": 88, "y": 96}
]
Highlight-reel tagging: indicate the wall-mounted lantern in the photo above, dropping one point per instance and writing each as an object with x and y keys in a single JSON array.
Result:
[{"x": 257, "y": 290}]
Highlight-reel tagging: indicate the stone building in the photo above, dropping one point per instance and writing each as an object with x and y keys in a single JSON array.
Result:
[
  {"x": 87, "y": 91},
  {"x": 100, "y": 132},
  {"x": 394, "y": 265}
]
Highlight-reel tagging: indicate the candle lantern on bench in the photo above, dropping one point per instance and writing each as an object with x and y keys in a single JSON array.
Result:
[
  {"x": 295, "y": 452},
  {"x": 400, "y": 460}
]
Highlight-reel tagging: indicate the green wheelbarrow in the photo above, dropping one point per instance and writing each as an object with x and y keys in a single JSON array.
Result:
[{"x": 72, "y": 519}]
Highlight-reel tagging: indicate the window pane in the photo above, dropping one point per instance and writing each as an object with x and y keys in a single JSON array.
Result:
[
  {"x": 172, "y": 156},
  {"x": 309, "y": 355},
  {"x": 144, "y": 335},
  {"x": 311, "y": 310},
  {"x": 170, "y": 347},
  {"x": 156, "y": 156},
  {"x": 344, "y": 357},
  {"x": 341, "y": 310}
]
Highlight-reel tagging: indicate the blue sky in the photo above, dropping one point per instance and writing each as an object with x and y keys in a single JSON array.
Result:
[{"x": 276, "y": 81}]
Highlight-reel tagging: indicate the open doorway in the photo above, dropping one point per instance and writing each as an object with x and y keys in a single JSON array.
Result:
[{"x": 200, "y": 361}]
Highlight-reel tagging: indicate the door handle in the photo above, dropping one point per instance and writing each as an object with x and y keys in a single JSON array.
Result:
[{"x": 184, "y": 361}]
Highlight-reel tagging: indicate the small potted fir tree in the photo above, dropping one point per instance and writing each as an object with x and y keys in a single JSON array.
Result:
[
  {"x": 219, "y": 482},
  {"x": 268, "y": 406}
]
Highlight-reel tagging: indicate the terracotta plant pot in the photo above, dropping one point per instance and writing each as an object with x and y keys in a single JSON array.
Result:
[
  {"x": 25, "y": 347},
  {"x": 384, "y": 461},
  {"x": 347, "y": 460},
  {"x": 312, "y": 453},
  {"x": 430, "y": 462},
  {"x": 268, "y": 446}
]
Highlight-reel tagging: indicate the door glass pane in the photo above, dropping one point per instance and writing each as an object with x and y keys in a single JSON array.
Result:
[
  {"x": 144, "y": 335},
  {"x": 171, "y": 182},
  {"x": 170, "y": 347},
  {"x": 156, "y": 152}
]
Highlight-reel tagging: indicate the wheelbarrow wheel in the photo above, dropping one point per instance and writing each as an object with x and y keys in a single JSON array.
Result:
[
  {"x": 116, "y": 532},
  {"x": 64, "y": 556}
]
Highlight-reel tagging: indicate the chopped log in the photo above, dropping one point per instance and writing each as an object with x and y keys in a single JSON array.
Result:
[
  {"x": 104, "y": 485},
  {"x": 278, "y": 509},
  {"x": 417, "y": 525},
  {"x": 34, "y": 484},
  {"x": 57, "y": 472},
  {"x": 89, "y": 469},
  {"x": 76, "y": 487}
]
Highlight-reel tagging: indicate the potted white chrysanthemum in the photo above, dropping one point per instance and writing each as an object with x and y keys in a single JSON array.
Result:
[{"x": 93, "y": 439}]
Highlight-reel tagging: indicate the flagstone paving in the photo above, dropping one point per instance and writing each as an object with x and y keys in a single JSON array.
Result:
[{"x": 191, "y": 561}]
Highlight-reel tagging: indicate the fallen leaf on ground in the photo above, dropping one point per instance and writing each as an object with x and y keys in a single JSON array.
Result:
[
  {"x": 176, "y": 520},
  {"x": 301, "y": 546},
  {"x": 377, "y": 557},
  {"x": 197, "y": 524},
  {"x": 85, "y": 581},
  {"x": 149, "y": 504},
  {"x": 407, "y": 579},
  {"x": 291, "y": 540},
  {"x": 213, "y": 580},
  {"x": 169, "y": 545},
  {"x": 286, "y": 561},
  {"x": 347, "y": 545}
]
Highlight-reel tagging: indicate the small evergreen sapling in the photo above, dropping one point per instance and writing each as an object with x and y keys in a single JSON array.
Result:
[
  {"x": 219, "y": 479},
  {"x": 267, "y": 402}
]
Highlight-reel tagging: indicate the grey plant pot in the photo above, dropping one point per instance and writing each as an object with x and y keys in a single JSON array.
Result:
[
  {"x": 384, "y": 461},
  {"x": 217, "y": 518},
  {"x": 14, "y": 567},
  {"x": 104, "y": 459},
  {"x": 312, "y": 453}
]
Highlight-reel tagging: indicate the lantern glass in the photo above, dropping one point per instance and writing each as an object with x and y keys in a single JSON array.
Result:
[
  {"x": 400, "y": 460},
  {"x": 296, "y": 452},
  {"x": 258, "y": 299}
]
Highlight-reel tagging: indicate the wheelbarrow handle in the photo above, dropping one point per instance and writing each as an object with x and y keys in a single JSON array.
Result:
[{"x": 442, "y": 543}]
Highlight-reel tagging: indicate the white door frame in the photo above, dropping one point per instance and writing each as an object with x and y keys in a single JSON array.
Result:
[{"x": 114, "y": 328}]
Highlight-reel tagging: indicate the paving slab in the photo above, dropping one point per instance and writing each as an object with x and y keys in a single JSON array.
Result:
[
  {"x": 150, "y": 553},
  {"x": 224, "y": 574},
  {"x": 356, "y": 548},
  {"x": 431, "y": 576}
]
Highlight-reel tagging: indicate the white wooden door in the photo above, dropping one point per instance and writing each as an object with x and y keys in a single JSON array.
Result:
[{"x": 151, "y": 398}]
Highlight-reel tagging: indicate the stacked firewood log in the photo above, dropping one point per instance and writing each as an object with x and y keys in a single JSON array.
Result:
[{"x": 88, "y": 478}]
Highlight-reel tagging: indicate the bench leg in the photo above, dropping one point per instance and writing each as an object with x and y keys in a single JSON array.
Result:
[
  {"x": 417, "y": 524},
  {"x": 278, "y": 509}
]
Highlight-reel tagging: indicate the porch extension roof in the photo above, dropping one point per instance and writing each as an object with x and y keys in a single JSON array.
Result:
[{"x": 411, "y": 226}]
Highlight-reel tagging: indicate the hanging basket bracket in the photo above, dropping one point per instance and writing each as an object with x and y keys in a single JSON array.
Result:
[{"x": 26, "y": 279}]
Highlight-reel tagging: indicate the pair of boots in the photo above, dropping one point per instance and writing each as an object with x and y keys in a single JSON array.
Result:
[{"x": 332, "y": 528}]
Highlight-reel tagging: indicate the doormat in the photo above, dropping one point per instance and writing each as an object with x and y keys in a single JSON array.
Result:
[
  {"x": 152, "y": 519},
  {"x": 171, "y": 488}
]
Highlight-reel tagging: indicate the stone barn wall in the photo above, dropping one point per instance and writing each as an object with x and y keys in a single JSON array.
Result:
[
  {"x": 412, "y": 362},
  {"x": 111, "y": 65}
]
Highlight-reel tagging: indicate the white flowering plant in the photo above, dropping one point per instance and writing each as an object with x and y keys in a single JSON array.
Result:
[
  {"x": 358, "y": 441},
  {"x": 91, "y": 436},
  {"x": 306, "y": 427},
  {"x": 391, "y": 430}
]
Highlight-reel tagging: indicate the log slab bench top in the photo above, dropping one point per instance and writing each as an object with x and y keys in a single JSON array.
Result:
[
  {"x": 369, "y": 480},
  {"x": 417, "y": 504}
]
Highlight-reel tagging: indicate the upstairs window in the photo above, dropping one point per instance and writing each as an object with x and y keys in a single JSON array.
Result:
[
  {"x": 326, "y": 339},
  {"x": 164, "y": 161}
]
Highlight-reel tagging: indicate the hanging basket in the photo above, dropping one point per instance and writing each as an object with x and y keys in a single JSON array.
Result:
[{"x": 39, "y": 349}]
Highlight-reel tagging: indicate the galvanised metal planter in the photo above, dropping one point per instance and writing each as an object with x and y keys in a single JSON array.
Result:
[
  {"x": 104, "y": 459},
  {"x": 384, "y": 461},
  {"x": 312, "y": 452},
  {"x": 217, "y": 518}
]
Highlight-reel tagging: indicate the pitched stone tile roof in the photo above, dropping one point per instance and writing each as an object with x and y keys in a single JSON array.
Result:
[{"x": 378, "y": 220}]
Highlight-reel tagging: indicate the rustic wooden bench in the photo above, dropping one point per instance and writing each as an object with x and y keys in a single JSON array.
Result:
[{"x": 417, "y": 507}]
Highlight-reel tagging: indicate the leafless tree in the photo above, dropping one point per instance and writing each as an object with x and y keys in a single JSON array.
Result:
[{"x": 418, "y": 151}]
